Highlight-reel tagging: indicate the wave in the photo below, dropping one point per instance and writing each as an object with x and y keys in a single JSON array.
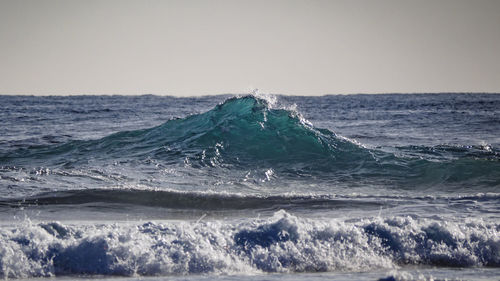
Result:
[
  {"x": 248, "y": 133},
  {"x": 237, "y": 130},
  {"x": 185, "y": 204},
  {"x": 281, "y": 243},
  {"x": 192, "y": 200}
]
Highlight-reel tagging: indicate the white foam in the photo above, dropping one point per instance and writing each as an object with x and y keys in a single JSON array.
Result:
[{"x": 282, "y": 243}]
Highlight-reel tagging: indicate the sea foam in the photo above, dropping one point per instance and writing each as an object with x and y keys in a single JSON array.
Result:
[{"x": 281, "y": 243}]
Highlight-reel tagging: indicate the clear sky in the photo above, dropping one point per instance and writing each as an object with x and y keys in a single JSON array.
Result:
[{"x": 291, "y": 47}]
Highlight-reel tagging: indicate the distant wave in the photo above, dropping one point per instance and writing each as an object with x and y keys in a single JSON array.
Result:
[
  {"x": 247, "y": 133},
  {"x": 282, "y": 243}
]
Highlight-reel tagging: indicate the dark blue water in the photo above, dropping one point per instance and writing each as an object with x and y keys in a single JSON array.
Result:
[{"x": 156, "y": 186}]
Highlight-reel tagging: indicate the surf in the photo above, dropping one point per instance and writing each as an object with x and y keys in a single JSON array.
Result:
[{"x": 281, "y": 243}]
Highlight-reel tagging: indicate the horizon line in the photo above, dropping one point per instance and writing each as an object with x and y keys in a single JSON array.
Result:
[{"x": 241, "y": 93}]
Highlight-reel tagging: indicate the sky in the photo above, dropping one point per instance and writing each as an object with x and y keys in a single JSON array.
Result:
[{"x": 309, "y": 47}]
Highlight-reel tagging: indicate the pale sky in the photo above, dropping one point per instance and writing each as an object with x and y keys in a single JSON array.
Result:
[{"x": 228, "y": 46}]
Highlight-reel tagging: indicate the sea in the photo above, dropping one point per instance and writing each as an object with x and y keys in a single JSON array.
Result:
[{"x": 250, "y": 187}]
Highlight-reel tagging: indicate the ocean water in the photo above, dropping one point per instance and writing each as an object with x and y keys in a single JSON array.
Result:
[{"x": 255, "y": 187}]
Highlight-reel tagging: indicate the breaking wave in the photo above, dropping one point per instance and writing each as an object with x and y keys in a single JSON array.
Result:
[{"x": 281, "y": 243}]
